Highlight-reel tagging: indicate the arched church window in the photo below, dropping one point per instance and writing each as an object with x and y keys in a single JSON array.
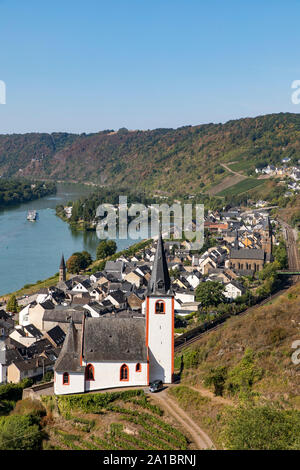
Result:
[
  {"x": 66, "y": 378},
  {"x": 89, "y": 372},
  {"x": 138, "y": 367},
  {"x": 124, "y": 373},
  {"x": 159, "y": 306}
]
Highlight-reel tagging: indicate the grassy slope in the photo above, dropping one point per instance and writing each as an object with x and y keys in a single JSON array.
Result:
[
  {"x": 269, "y": 332},
  {"x": 154, "y": 158}
]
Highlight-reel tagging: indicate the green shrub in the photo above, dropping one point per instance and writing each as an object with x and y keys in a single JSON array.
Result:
[
  {"x": 91, "y": 403},
  {"x": 276, "y": 335},
  {"x": 29, "y": 407},
  {"x": 20, "y": 433},
  {"x": 14, "y": 392},
  {"x": 244, "y": 374},
  {"x": 266, "y": 427},
  {"x": 216, "y": 377}
]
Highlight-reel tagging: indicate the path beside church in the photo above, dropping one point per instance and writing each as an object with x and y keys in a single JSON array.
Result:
[{"x": 199, "y": 437}]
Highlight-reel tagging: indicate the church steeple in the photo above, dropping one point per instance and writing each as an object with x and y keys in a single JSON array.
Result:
[
  {"x": 236, "y": 241},
  {"x": 62, "y": 269},
  {"x": 160, "y": 280}
]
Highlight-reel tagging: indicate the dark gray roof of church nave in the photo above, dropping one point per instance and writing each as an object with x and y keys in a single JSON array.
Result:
[
  {"x": 114, "y": 339},
  {"x": 69, "y": 358},
  {"x": 247, "y": 253}
]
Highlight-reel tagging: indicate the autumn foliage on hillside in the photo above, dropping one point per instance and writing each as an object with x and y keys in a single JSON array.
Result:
[{"x": 153, "y": 159}]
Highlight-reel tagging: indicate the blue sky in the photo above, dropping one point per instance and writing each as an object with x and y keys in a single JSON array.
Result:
[{"x": 85, "y": 66}]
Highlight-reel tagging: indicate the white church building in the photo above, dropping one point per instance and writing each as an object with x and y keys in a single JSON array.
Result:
[{"x": 122, "y": 352}]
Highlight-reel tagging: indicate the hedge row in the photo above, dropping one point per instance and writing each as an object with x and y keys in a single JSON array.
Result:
[
  {"x": 13, "y": 392},
  {"x": 92, "y": 403}
]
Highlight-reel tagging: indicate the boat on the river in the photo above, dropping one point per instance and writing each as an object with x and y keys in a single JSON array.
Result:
[{"x": 32, "y": 215}]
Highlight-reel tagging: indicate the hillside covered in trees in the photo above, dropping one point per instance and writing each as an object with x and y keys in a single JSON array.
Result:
[
  {"x": 13, "y": 191},
  {"x": 152, "y": 159}
]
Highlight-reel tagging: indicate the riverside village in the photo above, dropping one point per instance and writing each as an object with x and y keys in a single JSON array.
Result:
[{"x": 118, "y": 326}]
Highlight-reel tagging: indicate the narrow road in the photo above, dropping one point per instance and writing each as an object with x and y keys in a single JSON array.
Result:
[{"x": 199, "y": 437}]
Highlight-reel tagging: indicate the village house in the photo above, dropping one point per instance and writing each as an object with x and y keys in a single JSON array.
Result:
[{"x": 233, "y": 290}]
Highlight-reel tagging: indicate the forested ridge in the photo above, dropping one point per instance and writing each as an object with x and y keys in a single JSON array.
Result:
[{"x": 153, "y": 159}]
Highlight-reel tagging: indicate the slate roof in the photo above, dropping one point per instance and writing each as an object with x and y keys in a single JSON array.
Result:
[
  {"x": 57, "y": 335},
  {"x": 47, "y": 305},
  {"x": 12, "y": 355},
  {"x": 118, "y": 296},
  {"x": 38, "y": 347},
  {"x": 245, "y": 253},
  {"x": 62, "y": 263},
  {"x": 61, "y": 315},
  {"x": 160, "y": 280},
  {"x": 33, "y": 331},
  {"x": 4, "y": 315},
  {"x": 32, "y": 364},
  {"x": 115, "y": 339},
  {"x": 69, "y": 358},
  {"x": 114, "y": 266}
]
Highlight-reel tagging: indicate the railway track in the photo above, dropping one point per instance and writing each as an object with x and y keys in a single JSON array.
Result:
[
  {"x": 292, "y": 249},
  {"x": 195, "y": 338}
]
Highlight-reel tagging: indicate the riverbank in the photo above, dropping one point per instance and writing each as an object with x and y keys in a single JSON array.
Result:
[
  {"x": 96, "y": 265},
  {"x": 15, "y": 191}
]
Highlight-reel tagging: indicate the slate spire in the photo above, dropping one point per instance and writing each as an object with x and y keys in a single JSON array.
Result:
[
  {"x": 160, "y": 280},
  {"x": 62, "y": 270},
  {"x": 62, "y": 263}
]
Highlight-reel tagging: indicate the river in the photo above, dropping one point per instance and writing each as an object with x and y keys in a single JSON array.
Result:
[{"x": 31, "y": 251}]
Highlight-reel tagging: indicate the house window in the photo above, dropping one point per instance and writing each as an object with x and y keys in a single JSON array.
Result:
[
  {"x": 66, "y": 378},
  {"x": 138, "y": 367},
  {"x": 89, "y": 372},
  {"x": 159, "y": 306},
  {"x": 124, "y": 373}
]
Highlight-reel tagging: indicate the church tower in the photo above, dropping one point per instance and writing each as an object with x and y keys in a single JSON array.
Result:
[
  {"x": 266, "y": 239},
  {"x": 160, "y": 319},
  {"x": 62, "y": 270}
]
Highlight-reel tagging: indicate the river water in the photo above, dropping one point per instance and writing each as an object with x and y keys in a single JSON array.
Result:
[{"x": 31, "y": 251}]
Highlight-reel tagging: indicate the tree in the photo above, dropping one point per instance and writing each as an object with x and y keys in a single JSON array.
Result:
[
  {"x": 20, "y": 433},
  {"x": 210, "y": 293},
  {"x": 106, "y": 248},
  {"x": 75, "y": 263},
  {"x": 88, "y": 258},
  {"x": 269, "y": 271},
  {"x": 217, "y": 378},
  {"x": 78, "y": 261},
  {"x": 12, "y": 304}
]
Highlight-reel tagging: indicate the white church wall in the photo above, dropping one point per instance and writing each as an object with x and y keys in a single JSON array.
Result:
[
  {"x": 76, "y": 383},
  {"x": 107, "y": 375}
]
